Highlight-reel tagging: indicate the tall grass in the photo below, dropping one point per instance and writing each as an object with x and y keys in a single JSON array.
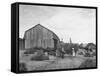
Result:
[{"x": 89, "y": 63}]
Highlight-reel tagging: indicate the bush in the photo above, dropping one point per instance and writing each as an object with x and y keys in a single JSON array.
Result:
[
  {"x": 94, "y": 54},
  {"x": 40, "y": 57},
  {"x": 52, "y": 53},
  {"x": 87, "y": 55},
  {"x": 81, "y": 53},
  {"x": 22, "y": 67},
  {"x": 30, "y": 51},
  {"x": 88, "y": 64}
]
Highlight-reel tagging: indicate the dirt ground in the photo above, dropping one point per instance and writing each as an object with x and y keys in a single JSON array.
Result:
[{"x": 67, "y": 62}]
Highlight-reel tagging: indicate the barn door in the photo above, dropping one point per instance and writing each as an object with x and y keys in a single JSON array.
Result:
[{"x": 55, "y": 43}]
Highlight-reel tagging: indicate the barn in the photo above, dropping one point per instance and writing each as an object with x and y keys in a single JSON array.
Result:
[
  {"x": 40, "y": 37},
  {"x": 21, "y": 44}
]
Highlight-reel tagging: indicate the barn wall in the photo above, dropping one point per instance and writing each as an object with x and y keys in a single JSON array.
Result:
[
  {"x": 21, "y": 44},
  {"x": 39, "y": 37}
]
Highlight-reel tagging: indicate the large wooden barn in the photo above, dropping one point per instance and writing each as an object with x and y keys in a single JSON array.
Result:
[{"x": 40, "y": 37}]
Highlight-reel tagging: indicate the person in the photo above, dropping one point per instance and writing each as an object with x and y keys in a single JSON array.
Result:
[
  {"x": 73, "y": 51},
  {"x": 61, "y": 52}
]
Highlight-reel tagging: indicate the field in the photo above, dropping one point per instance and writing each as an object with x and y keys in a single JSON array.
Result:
[{"x": 67, "y": 62}]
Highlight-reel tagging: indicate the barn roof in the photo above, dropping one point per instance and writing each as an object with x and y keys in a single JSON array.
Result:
[{"x": 54, "y": 35}]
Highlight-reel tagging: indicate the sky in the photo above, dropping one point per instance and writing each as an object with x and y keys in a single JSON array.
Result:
[{"x": 79, "y": 24}]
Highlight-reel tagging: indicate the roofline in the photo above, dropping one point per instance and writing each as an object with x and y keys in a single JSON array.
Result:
[{"x": 41, "y": 26}]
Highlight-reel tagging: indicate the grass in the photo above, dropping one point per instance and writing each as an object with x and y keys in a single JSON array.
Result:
[
  {"x": 89, "y": 63},
  {"x": 22, "y": 67},
  {"x": 67, "y": 62}
]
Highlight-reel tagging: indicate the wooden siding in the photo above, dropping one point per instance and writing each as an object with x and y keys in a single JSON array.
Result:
[
  {"x": 39, "y": 37},
  {"x": 21, "y": 44}
]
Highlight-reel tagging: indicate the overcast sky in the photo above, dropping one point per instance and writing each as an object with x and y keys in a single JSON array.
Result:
[{"x": 75, "y": 23}]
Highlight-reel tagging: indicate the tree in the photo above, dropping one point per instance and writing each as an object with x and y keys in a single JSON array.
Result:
[
  {"x": 81, "y": 46},
  {"x": 76, "y": 47},
  {"x": 90, "y": 46},
  {"x": 68, "y": 48}
]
